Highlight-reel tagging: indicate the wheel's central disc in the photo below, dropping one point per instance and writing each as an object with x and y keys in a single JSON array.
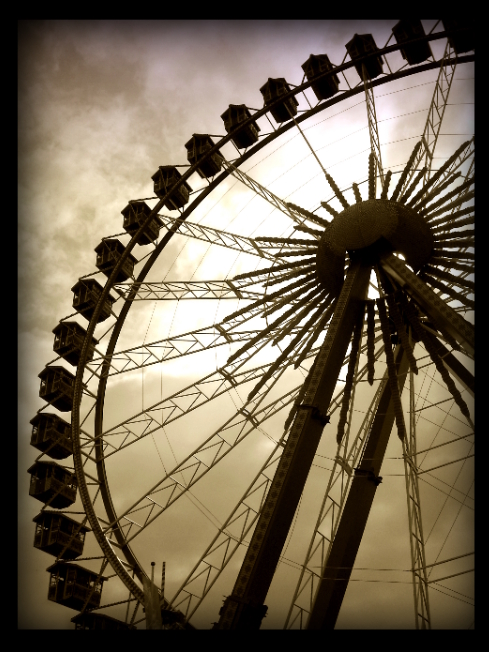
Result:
[
  {"x": 375, "y": 226},
  {"x": 361, "y": 225}
]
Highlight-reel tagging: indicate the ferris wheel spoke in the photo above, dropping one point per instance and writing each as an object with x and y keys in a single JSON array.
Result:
[
  {"x": 432, "y": 346},
  {"x": 456, "y": 218},
  {"x": 464, "y": 153},
  {"x": 271, "y": 242},
  {"x": 281, "y": 327},
  {"x": 295, "y": 345},
  {"x": 305, "y": 266},
  {"x": 181, "y": 290},
  {"x": 159, "y": 415},
  {"x": 199, "y": 340},
  {"x": 223, "y": 238},
  {"x": 444, "y": 177},
  {"x": 464, "y": 197},
  {"x": 463, "y": 238},
  {"x": 258, "y": 307},
  {"x": 457, "y": 369},
  {"x": 376, "y": 166},
  {"x": 455, "y": 294},
  {"x": 429, "y": 209},
  {"x": 312, "y": 217},
  {"x": 332, "y": 184},
  {"x": 301, "y": 338},
  {"x": 173, "y": 348},
  {"x": 434, "y": 120},
  {"x": 465, "y": 270},
  {"x": 196, "y": 341},
  {"x": 235, "y": 288},
  {"x": 428, "y": 197},
  {"x": 297, "y": 215}
]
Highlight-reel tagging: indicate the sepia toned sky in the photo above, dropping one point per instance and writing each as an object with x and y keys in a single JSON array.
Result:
[{"x": 101, "y": 105}]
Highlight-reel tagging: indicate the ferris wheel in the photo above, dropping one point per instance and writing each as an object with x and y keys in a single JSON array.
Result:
[{"x": 270, "y": 371}]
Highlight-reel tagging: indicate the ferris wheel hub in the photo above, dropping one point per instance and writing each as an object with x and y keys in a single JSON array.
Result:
[
  {"x": 372, "y": 228},
  {"x": 361, "y": 225}
]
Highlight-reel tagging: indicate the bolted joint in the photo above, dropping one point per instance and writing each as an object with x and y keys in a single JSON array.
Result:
[
  {"x": 369, "y": 475},
  {"x": 315, "y": 413}
]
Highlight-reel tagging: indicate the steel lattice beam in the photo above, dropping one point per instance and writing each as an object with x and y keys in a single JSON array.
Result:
[
  {"x": 223, "y": 238},
  {"x": 266, "y": 194},
  {"x": 373, "y": 128},
  {"x": 416, "y": 538},
  {"x": 434, "y": 120},
  {"x": 181, "y": 290},
  {"x": 177, "y": 346}
]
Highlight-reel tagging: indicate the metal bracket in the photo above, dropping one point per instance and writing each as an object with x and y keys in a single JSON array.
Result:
[
  {"x": 370, "y": 475},
  {"x": 316, "y": 413}
]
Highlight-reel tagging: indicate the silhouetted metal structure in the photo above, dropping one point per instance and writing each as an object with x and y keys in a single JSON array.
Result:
[{"x": 403, "y": 234}]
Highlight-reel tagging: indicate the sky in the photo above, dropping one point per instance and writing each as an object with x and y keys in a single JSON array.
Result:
[{"x": 102, "y": 104}]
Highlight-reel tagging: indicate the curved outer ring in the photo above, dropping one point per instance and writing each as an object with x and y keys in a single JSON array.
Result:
[{"x": 78, "y": 385}]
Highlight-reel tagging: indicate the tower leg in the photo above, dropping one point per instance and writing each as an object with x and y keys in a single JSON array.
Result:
[{"x": 337, "y": 570}]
